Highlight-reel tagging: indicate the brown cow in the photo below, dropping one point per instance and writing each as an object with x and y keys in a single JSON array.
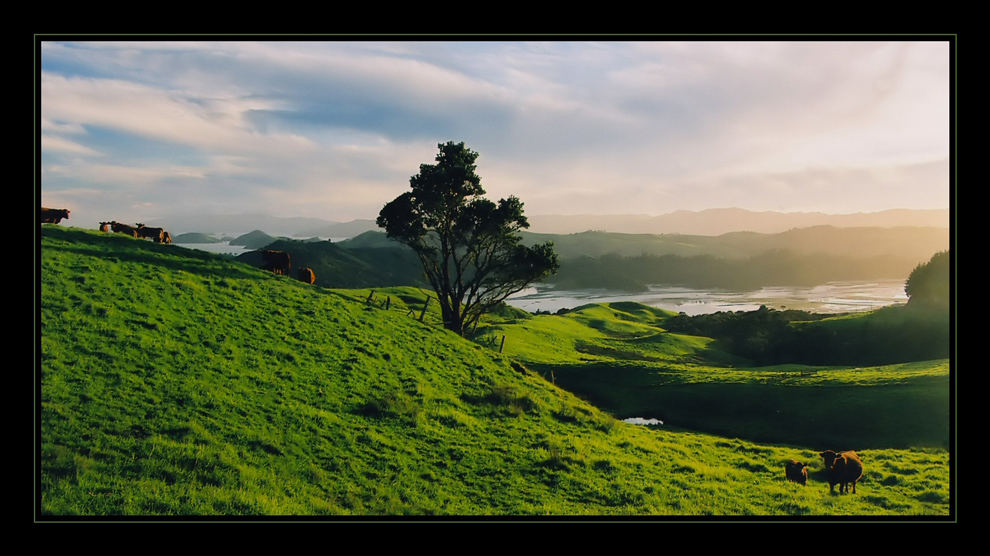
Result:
[
  {"x": 155, "y": 234},
  {"x": 796, "y": 471},
  {"x": 123, "y": 229},
  {"x": 307, "y": 275},
  {"x": 105, "y": 226},
  {"x": 278, "y": 262},
  {"x": 166, "y": 238},
  {"x": 843, "y": 469},
  {"x": 53, "y": 216}
]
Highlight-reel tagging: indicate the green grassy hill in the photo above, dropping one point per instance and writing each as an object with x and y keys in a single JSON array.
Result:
[
  {"x": 621, "y": 357},
  {"x": 175, "y": 382}
]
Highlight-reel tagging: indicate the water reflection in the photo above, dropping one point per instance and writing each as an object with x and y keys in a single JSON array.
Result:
[
  {"x": 642, "y": 421},
  {"x": 225, "y": 248},
  {"x": 834, "y": 297}
]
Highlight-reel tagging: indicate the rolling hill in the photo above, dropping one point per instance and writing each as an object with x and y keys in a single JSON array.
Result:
[{"x": 178, "y": 383}]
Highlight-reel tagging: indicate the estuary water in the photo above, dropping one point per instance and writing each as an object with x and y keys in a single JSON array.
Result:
[
  {"x": 225, "y": 248},
  {"x": 833, "y": 297}
]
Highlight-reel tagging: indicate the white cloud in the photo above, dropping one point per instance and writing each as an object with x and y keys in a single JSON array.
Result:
[
  {"x": 53, "y": 143},
  {"x": 330, "y": 127},
  {"x": 113, "y": 175},
  {"x": 217, "y": 124}
]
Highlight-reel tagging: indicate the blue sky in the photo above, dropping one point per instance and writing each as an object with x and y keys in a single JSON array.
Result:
[{"x": 142, "y": 130}]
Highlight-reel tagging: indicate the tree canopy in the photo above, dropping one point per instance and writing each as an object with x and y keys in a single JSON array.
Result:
[
  {"x": 468, "y": 245},
  {"x": 928, "y": 283}
]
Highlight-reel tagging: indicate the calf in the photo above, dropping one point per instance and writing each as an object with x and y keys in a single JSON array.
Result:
[
  {"x": 796, "y": 471},
  {"x": 105, "y": 226},
  {"x": 843, "y": 469},
  {"x": 307, "y": 275},
  {"x": 53, "y": 216}
]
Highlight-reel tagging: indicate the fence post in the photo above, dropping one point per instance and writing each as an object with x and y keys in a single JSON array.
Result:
[
  {"x": 425, "y": 305},
  {"x": 502, "y": 345},
  {"x": 370, "y": 297},
  {"x": 388, "y": 302}
]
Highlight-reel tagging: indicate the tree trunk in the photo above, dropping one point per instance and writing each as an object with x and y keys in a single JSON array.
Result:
[{"x": 451, "y": 317}]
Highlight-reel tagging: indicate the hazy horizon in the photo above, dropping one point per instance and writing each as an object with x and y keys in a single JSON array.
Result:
[{"x": 144, "y": 130}]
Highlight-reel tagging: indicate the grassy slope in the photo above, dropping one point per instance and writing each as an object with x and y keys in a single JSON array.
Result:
[
  {"x": 177, "y": 382},
  {"x": 619, "y": 357}
]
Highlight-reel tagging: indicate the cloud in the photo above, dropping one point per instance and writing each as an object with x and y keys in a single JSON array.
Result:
[
  {"x": 336, "y": 128},
  {"x": 59, "y": 144}
]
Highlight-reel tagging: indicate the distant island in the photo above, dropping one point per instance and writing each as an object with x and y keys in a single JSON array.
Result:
[
  {"x": 197, "y": 237},
  {"x": 253, "y": 240}
]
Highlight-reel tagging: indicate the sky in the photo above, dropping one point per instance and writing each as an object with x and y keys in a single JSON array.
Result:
[{"x": 140, "y": 130}]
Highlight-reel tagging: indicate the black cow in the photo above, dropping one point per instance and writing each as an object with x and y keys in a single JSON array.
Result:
[
  {"x": 278, "y": 262},
  {"x": 53, "y": 216}
]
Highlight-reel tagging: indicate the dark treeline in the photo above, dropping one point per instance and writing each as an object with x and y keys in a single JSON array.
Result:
[
  {"x": 928, "y": 283},
  {"x": 768, "y": 337},
  {"x": 772, "y": 268}
]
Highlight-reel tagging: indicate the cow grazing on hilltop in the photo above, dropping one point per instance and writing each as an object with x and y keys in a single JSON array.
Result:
[
  {"x": 796, "y": 471},
  {"x": 123, "y": 229},
  {"x": 843, "y": 469},
  {"x": 155, "y": 234},
  {"x": 307, "y": 275},
  {"x": 53, "y": 216},
  {"x": 166, "y": 238},
  {"x": 105, "y": 226},
  {"x": 278, "y": 262}
]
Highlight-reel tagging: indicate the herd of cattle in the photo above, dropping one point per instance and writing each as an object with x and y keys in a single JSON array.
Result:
[
  {"x": 277, "y": 262},
  {"x": 158, "y": 235},
  {"x": 841, "y": 468}
]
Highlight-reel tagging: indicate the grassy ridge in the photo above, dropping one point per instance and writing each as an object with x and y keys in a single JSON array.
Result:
[
  {"x": 336, "y": 267},
  {"x": 174, "y": 382}
]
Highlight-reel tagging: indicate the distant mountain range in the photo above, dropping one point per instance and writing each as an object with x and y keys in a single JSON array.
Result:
[
  {"x": 711, "y": 222},
  {"x": 912, "y": 244},
  {"x": 239, "y": 224}
]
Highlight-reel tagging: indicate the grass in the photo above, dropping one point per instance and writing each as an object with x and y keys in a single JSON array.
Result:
[
  {"x": 174, "y": 382},
  {"x": 619, "y": 357}
]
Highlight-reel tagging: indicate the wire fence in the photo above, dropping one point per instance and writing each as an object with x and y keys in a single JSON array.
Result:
[{"x": 419, "y": 313}]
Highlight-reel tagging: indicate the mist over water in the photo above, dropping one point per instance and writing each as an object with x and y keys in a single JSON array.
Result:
[{"x": 833, "y": 297}]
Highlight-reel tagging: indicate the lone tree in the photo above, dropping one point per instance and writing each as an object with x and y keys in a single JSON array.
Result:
[{"x": 468, "y": 245}]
